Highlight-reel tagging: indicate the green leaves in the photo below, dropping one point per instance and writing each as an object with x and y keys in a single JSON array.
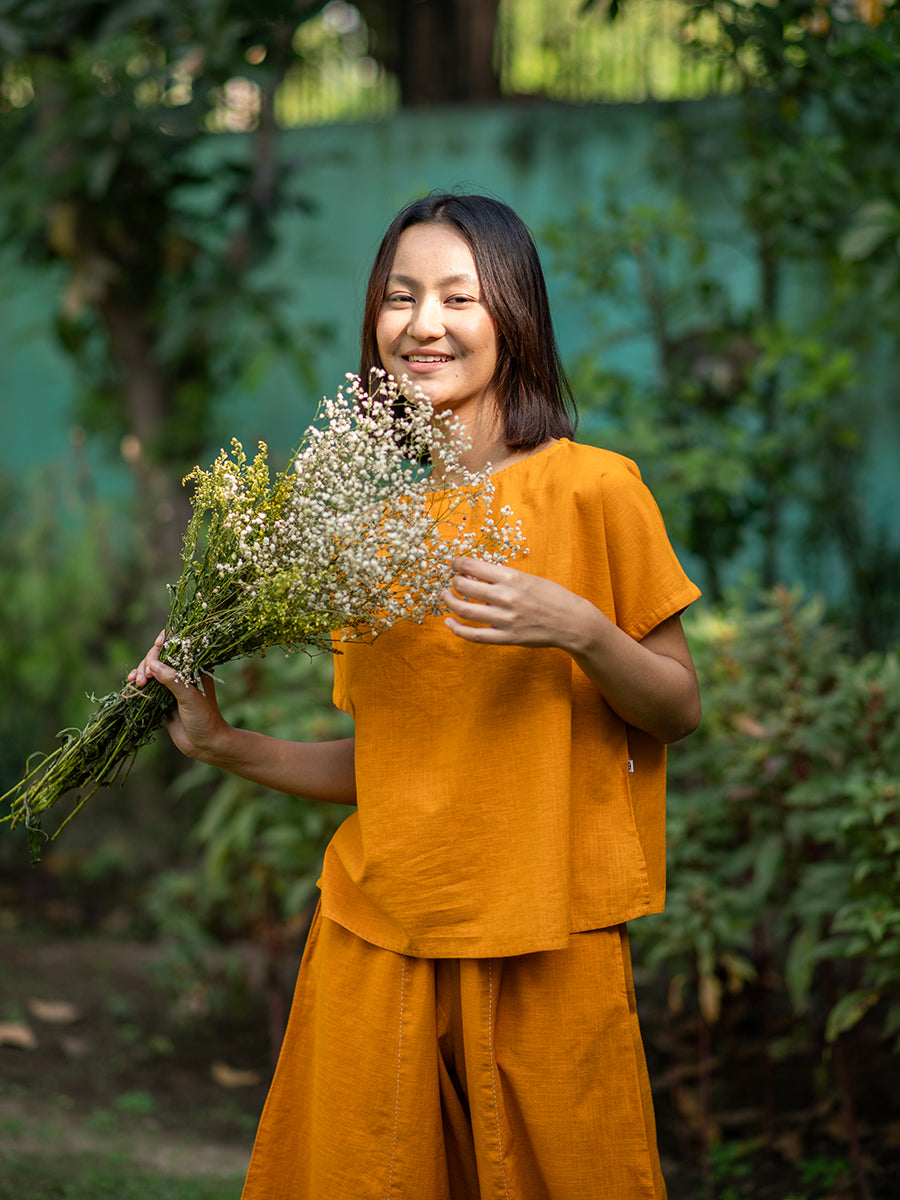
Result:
[
  {"x": 784, "y": 829},
  {"x": 874, "y": 235},
  {"x": 750, "y": 365},
  {"x": 847, "y": 1012},
  {"x": 750, "y": 428},
  {"x": 872, "y": 225}
]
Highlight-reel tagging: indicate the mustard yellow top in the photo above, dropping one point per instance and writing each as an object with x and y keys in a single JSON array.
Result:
[{"x": 502, "y": 805}]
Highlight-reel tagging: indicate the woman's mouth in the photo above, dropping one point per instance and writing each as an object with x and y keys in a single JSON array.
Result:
[{"x": 427, "y": 358}]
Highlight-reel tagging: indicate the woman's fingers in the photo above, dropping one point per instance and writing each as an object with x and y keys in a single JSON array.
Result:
[
  {"x": 478, "y": 568},
  {"x": 510, "y": 606},
  {"x": 484, "y": 582},
  {"x": 463, "y": 591},
  {"x": 487, "y": 634},
  {"x": 196, "y": 720},
  {"x": 140, "y": 674}
]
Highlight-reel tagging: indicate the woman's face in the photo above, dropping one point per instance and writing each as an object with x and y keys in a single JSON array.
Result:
[{"x": 434, "y": 327}]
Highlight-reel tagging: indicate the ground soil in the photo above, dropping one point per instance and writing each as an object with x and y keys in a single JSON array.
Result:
[{"x": 93, "y": 1055}]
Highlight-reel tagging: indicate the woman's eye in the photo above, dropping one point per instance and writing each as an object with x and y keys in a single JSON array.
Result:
[
  {"x": 400, "y": 298},
  {"x": 460, "y": 300}
]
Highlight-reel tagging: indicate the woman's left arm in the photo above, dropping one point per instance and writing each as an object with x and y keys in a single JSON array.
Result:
[{"x": 650, "y": 684}]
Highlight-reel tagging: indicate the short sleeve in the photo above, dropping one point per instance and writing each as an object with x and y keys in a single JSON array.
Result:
[{"x": 649, "y": 583}]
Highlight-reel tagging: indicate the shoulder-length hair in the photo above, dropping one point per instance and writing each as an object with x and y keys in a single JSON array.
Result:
[{"x": 533, "y": 393}]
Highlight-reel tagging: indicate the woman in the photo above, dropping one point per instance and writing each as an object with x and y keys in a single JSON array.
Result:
[{"x": 464, "y": 1023}]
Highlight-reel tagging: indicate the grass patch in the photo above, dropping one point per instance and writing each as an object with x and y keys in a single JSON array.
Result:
[{"x": 83, "y": 1177}]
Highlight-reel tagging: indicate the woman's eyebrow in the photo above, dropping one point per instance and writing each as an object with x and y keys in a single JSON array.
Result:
[{"x": 447, "y": 281}]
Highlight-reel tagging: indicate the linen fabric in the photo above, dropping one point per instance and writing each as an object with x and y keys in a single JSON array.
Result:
[
  {"x": 517, "y": 1078},
  {"x": 502, "y": 804}
]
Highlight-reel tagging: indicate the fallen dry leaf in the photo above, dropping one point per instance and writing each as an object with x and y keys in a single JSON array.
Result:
[
  {"x": 231, "y": 1077},
  {"x": 18, "y": 1034},
  {"x": 54, "y": 1012},
  {"x": 76, "y": 1047}
]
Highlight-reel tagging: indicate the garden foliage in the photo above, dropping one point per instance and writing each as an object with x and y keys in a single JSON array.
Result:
[
  {"x": 64, "y": 598},
  {"x": 739, "y": 421},
  {"x": 779, "y": 949},
  {"x": 164, "y": 303},
  {"x": 784, "y": 825}
]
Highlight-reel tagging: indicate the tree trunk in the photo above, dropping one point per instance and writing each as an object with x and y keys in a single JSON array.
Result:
[
  {"x": 442, "y": 51},
  {"x": 147, "y": 397}
]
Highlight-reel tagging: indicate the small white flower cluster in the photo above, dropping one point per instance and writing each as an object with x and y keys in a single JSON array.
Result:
[{"x": 360, "y": 533}]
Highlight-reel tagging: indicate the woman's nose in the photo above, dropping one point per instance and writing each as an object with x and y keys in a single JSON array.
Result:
[{"x": 426, "y": 320}]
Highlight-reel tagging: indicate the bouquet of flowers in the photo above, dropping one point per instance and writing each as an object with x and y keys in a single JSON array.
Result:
[{"x": 356, "y": 533}]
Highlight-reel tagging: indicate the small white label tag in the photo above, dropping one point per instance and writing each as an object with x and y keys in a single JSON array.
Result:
[{"x": 631, "y": 766}]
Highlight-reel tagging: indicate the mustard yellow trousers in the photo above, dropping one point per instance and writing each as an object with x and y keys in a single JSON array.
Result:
[{"x": 459, "y": 1079}]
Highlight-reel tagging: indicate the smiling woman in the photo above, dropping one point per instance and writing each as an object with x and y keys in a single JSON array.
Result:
[
  {"x": 435, "y": 327},
  {"x": 533, "y": 400},
  {"x": 464, "y": 1025}
]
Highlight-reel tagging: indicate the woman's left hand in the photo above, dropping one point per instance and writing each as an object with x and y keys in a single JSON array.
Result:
[
  {"x": 511, "y": 608},
  {"x": 650, "y": 683}
]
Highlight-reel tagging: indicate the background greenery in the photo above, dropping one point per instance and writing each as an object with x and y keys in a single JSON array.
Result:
[
  {"x": 771, "y": 982},
  {"x": 114, "y": 1179}
]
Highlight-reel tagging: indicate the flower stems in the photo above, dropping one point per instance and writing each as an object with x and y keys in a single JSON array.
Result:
[{"x": 90, "y": 758}]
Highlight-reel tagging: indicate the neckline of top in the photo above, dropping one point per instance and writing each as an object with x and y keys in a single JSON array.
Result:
[{"x": 532, "y": 457}]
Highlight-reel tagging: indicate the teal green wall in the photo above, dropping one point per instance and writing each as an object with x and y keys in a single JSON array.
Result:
[
  {"x": 543, "y": 159},
  {"x": 36, "y": 378}
]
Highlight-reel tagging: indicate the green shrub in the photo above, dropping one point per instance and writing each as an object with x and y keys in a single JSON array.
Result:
[
  {"x": 784, "y": 824},
  {"x": 93, "y": 1177},
  {"x": 73, "y": 615},
  {"x": 62, "y": 592}
]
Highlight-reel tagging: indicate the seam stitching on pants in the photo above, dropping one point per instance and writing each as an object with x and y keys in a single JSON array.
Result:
[
  {"x": 397, "y": 1103},
  {"x": 493, "y": 1072}
]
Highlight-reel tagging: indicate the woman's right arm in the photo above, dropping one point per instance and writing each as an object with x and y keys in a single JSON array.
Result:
[{"x": 316, "y": 770}]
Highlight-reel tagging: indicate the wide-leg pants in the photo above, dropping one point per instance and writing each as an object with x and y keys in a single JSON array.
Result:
[{"x": 459, "y": 1079}]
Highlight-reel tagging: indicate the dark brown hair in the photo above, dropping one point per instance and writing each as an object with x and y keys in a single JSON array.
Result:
[{"x": 533, "y": 394}]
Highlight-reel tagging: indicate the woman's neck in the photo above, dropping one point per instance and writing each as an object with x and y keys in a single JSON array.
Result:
[
  {"x": 495, "y": 456},
  {"x": 488, "y": 446},
  {"x": 487, "y": 436}
]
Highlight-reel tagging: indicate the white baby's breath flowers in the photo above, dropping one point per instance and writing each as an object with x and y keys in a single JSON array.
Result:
[{"x": 357, "y": 533}]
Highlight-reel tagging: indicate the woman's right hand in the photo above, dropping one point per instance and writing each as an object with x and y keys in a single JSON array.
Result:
[
  {"x": 315, "y": 770},
  {"x": 196, "y": 726}
]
